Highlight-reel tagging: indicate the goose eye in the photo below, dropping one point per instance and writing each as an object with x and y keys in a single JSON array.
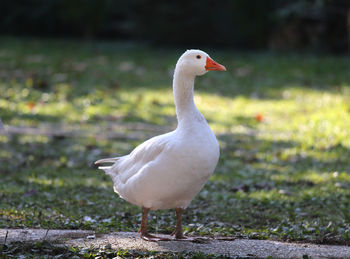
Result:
[{"x": 198, "y": 56}]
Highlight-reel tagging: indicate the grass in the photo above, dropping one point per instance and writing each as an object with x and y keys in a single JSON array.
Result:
[
  {"x": 44, "y": 249},
  {"x": 282, "y": 121}
]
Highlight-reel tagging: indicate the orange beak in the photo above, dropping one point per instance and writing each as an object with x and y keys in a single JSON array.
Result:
[{"x": 212, "y": 65}]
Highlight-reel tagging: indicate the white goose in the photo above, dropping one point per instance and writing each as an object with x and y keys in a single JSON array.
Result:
[{"x": 169, "y": 170}]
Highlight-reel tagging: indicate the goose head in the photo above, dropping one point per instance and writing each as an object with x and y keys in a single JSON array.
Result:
[{"x": 197, "y": 63}]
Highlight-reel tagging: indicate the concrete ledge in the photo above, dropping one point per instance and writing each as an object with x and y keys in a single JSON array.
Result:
[{"x": 130, "y": 240}]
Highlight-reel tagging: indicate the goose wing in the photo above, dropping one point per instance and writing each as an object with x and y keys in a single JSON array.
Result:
[{"x": 127, "y": 166}]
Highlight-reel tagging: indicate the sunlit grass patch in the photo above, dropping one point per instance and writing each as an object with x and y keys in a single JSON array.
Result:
[{"x": 282, "y": 122}]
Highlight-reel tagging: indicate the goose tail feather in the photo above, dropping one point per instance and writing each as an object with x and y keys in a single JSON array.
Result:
[
  {"x": 107, "y": 160},
  {"x": 105, "y": 168}
]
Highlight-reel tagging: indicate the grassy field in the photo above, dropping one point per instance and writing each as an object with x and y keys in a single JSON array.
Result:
[{"x": 282, "y": 122}]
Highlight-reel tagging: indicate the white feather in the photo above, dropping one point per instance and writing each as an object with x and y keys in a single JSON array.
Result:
[{"x": 107, "y": 160}]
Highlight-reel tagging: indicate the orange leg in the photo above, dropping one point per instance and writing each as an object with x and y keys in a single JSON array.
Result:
[
  {"x": 143, "y": 229},
  {"x": 178, "y": 230}
]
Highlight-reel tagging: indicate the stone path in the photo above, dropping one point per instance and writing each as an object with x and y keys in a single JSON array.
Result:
[{"x": 127, "y": 240}]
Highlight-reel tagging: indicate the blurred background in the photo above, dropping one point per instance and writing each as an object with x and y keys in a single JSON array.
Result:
[
  {"x": 81, "y": 80},
  {"x": 319, "y": 25}
]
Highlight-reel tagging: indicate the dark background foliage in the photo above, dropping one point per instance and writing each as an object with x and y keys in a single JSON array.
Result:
[{"x": 282, "y": 25}]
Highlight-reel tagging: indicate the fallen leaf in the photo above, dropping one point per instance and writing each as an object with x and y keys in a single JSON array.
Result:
[
  {"x": 259, "y": 117},
  {"x": 31, "y": 105}
]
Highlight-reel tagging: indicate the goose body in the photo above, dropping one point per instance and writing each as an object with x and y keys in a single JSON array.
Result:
[{"x": 169, "y": 170}]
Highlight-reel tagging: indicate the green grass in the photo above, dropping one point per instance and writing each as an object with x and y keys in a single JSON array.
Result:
[
  {"x": 285, "y": 177},
  {"x": 44, "y": 249}
]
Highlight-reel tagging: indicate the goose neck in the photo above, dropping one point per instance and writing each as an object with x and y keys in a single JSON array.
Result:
[{"x": 183, "y": 87}]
